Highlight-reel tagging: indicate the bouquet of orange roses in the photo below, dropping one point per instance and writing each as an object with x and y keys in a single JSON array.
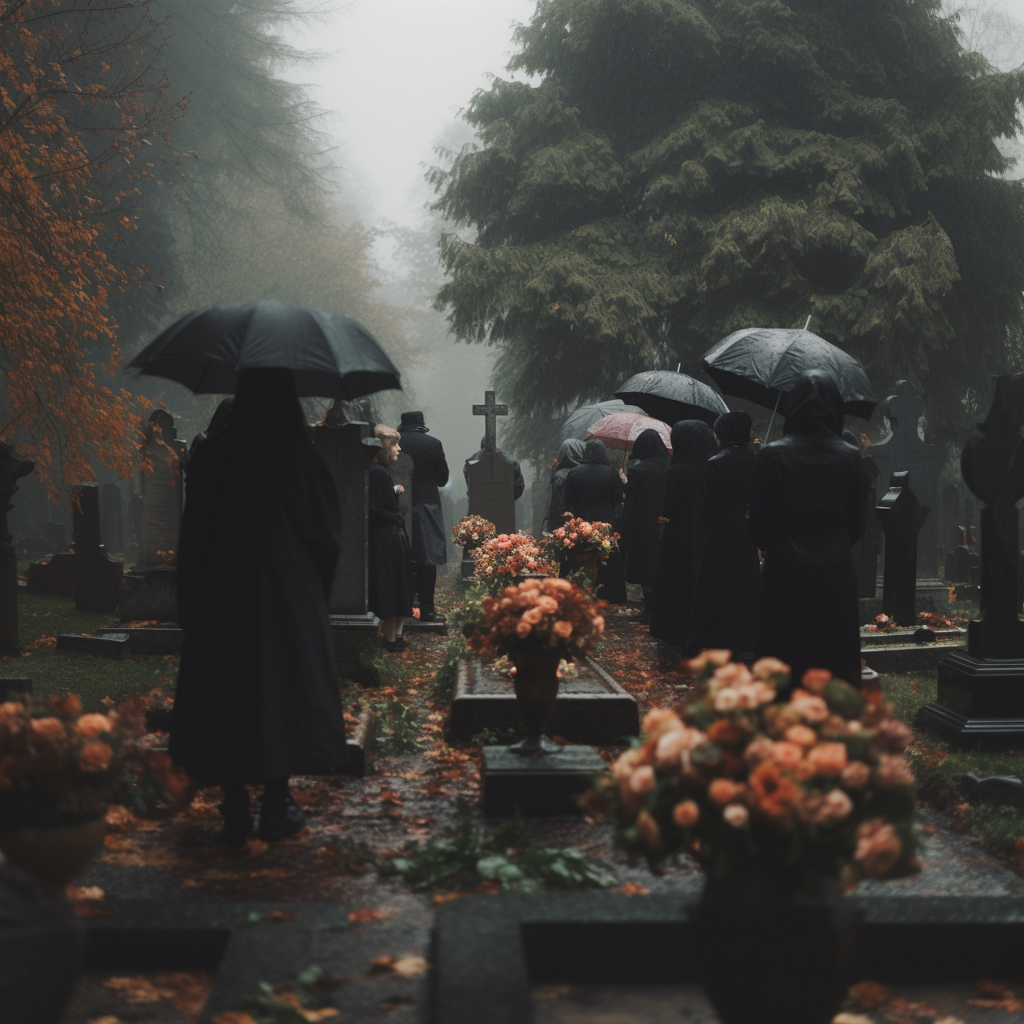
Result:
[
  {"x": 581, "y": 537},
  {"x": 471, "y": 531},
  {"x": 509, "y": 555},
  {"x": 811, "y": 786}
]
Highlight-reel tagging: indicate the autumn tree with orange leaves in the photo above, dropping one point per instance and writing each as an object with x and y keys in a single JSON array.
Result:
[{"x": 81, "y": 103}]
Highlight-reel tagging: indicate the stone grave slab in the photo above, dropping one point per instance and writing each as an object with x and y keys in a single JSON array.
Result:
[
  {"x": 591, "y": 706},
  {"x": 148, "y": 639},
  {"x": 906, "y": 657},
  {"x": 112, "y": 645},
  {"x": 903, "y": 637},
  {"x": 540, "y": 786},
  {"x": 12, "y": 689},
  {"x": 414, "y": 626}
]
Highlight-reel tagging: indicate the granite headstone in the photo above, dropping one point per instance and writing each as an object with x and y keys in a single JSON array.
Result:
[
  {"x": 98, "y": 578},
  {"x": 110, "y": 518},
  {"x": 163, "y": 457},
  {"x": 901, "y": 517}
]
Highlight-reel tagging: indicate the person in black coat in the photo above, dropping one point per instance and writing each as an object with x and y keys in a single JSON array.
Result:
[
  {"x": 807, "y": 512},
  {"x": 429, "y": 472},
  {"x": 218, "y": 422},
  {"x": 390, "y": 564},
  {"x": 644, "y": 497},
  {"x": 569, "y": 455},
  {"x": 592, "y": 491},
  {"x": 730, "y": 571},
  {"x": 257, "y": 697},
  {"x": 675, "y": 588}
]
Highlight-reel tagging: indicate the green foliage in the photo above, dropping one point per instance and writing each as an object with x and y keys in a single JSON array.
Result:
[
  {"x": 267, "y": 1008},
  {"x": 397, "y": 728},
  {"x": 493, "y": 855},
  {"x": 685, "y": 168}
]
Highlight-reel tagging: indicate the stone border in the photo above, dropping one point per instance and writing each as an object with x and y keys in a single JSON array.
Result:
[{"x": 906, "y": 657}]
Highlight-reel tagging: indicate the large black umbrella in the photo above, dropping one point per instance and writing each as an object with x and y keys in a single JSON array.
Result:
[
  {"x": 762, "y": 365},
  {"x": 587, "y": 415},
  {"x": 330, "y": 356},
  {"x": 672, "y": 397}
]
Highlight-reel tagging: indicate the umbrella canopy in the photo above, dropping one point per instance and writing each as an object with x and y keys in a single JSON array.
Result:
[
  {"x": 763, "y": 364},
  {"x": 672, "y": 397},
  {"x": 330, "y": 356},
  {"x": 621, "y": 429},
  {"x": 586, "y": 415}
]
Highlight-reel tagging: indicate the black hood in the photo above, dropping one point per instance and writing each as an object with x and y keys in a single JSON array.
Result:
[
  {"x": 815, "y": 406},
  {"x": 692, "y": 441},
  {"x": 649, "y": 445},
  {"x": 595, "y": 453},
  {"x": 733, "y": 428}
]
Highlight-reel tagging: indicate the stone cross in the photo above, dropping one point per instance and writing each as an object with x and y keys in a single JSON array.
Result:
[
  {"x": 906, "y": 449},
  {"x": 163, "y": 457},
  {"x": 98, "y": 578},
  {"x": 491, "y": 412},
  {"x": 12, "y": 469},
  {"x": 901, "y": 517}
]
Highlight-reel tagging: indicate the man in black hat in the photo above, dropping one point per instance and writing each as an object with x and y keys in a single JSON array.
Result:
[{"x": 429, "y": 471}]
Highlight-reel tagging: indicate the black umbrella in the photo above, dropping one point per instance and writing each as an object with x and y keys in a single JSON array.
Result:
[
  {"x": 330, "y": 356},
  {"x": 763, "y": 364},
  {"x": 587, "y": 415},
  {"x": 672, "y": 397}
]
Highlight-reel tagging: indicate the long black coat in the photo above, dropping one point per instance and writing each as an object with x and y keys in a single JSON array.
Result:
[
  {"x": 644, "y": 499},
  {"x": 730, "y": 571},
  {"x": 675, "y": 587},
  {"x": 807, "y": 511},
  {"x": 429, "y": 466},
  {"x": 391, "y": 580},
  {"x": 257, "y": 696}
]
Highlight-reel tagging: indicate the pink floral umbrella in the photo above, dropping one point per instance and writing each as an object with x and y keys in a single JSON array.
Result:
[{"x": 621, "y": 429}]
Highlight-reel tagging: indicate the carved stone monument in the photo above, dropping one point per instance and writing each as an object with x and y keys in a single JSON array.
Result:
[
  {"x": 492, "y": 477},
  {"x": 906, "y": 449},
  {"x": 111, "y": 523},
  {"x": 12, "y": 469},
  {"x": 163, "y": 457},
  {"x": 98, "y": 578},
  {"x": 981, "y": 688},
  {"x": 901, "y": 517},
  {"x": 349, "y": 447}
]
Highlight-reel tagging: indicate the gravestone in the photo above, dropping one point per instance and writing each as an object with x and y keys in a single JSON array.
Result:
[
  {"x": 492, "y": 476},
  {"x": 906, "y": 449},
  {"x": 401, "y": 473},
  {"x": 901, "y": 517},
  {"x": 111, "y": 526},
  {"x": 163, "y": 457},
  {"x": 135, "y": 505},
  {"x": 350, "y": 447},
  {"x": 98, "y": 577},
  {"x": 981, "y": 688},
  {"x": 950, "y": 534},
  {"x": 12, "y": 469}
]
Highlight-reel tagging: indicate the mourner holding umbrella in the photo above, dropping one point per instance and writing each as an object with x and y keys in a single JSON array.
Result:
[{"x": 644, "y": 498}]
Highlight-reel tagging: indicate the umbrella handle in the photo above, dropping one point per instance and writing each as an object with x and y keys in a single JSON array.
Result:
[{"x": 772, "y": 420}]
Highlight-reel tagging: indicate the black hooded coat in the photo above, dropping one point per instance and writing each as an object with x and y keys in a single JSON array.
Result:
[
  {"x": 730, "y": 571},
  {"x": 807, "y": 512},
  {"x": 391, "y": 583},
  {"x": 675, "y": 588},
  {"x": 645, "y": 495},
  {"x": 569, "y": 455},
  {"x": 257, "y": 696},
  {"x": 592, "y": 490}
]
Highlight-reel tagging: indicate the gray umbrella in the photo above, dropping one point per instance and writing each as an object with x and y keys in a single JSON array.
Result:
[
  {"x": 330, "y": 356},
  {"x": 587, "y": 415},
  {"x": 672, "y": 397},
  {"x": 762, "y": 365}
]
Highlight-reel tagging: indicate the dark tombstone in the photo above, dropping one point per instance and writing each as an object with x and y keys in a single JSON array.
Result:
[
  {"x": 901, "y": 517},
  {"x": 349, "y": 447},
  {"x": 906, "y": 449},
  {"x": 163, "y": 457},
  {"x": 401, "y": 474},
  {"x": 492, "y": 477},
  {"x": 981, "y": 687},
  {"x": 959, "y": 563},
  {"x": 55, "y": 577},
  {"x": 98, "y": 578},
  {"x": 949, "y": 521},
  {"x": 135, "y": 506},
  {"x": 12, "y": 469},
  {"x": 110, "y": 518}
]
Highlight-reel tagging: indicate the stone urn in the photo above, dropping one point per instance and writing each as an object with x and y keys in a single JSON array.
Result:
[
  {"x": 53, "y": 855},
  {"x": 536, "y": 687}
]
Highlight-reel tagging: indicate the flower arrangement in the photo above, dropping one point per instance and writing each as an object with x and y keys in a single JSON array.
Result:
[
  {"x": 472, "y": 530},
  {"x": 810, "y": 787},
  {"x": 882, "y": 624},
  {"x": 550, "y": 614},
  {"x": 508, "y": 555},
  {"x": 579, "y": 536},
  {"x": 59, "y": 765}
]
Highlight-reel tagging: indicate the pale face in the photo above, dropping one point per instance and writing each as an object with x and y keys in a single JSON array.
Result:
[{"x": 394, "y": 452}]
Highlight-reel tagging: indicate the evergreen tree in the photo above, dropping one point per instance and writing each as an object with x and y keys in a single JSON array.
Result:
[{"x": 678, "y": 169}]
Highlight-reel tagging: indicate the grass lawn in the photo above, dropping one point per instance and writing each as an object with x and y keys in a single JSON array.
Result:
[
  {"x": 939, "y": 768},
  {"x": 41, "y": 618}
]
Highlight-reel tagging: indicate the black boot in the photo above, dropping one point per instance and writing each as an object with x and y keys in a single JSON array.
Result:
[
  {"x": 280, "y": 815},
  {"x": 237, "y": 816}
]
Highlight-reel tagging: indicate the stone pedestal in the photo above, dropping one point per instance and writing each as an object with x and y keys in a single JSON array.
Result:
[
  {"x": 978, "y": 698},
  {"x": 541, "y": 786},
  {"x": 150, "y": 595}
]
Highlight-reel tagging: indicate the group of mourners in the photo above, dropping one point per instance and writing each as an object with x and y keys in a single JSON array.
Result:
[{"x": 736, "y": 549}]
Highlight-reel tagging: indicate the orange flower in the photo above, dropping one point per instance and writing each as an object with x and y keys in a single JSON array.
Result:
[
  {"x": 892, "y": 770},
  {"x": 775, "y": 793},
  {"x": 643, "y": 780},
  {"x": 878, "y": 848},
  {"x": 92, "y": 725},
  {"x": 49, "y": 729},
  {"x": 533, "y": 615},
  {"x": 789, "y": 755},
  {"x": 649, "y": 831},
  {"x": 816, "y": 679},
  {"x": 856, "y": 775},
  {"x": 725, "y": 731},
  {"x": 811, "y": 708},
  {"x": 724, "y": 791},
  {"x": 758, "y": 750},
  {"x": 562, "y": 629},
  {"x": 710, "y": 657},
  {"x": 68, "y": 705},
  {"x": 10, "y": 712},
  {"x": 626, "y": 763},
  {"x": 95, "y": 757},
  {"x": 686, "y": 814},
  {"x": 801, "y": 734},
  {"x": 659, "y": 720},
  {"x": 766, "y": 668},
  {"x": 829, "y": 759}
]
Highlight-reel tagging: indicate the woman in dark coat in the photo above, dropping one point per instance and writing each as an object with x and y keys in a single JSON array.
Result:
[
  {"x": 675, "y": 588},
  {"x": 257, "y": 698},
  {"x": 592, "y": 490},
  {"x": 645, "y": 495},
  {"x": 730, "y": 571},
  {"x": 569, "y": 456},
  {"x": 807, "y": 511},
  {"x": 391, "y": 582}
]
